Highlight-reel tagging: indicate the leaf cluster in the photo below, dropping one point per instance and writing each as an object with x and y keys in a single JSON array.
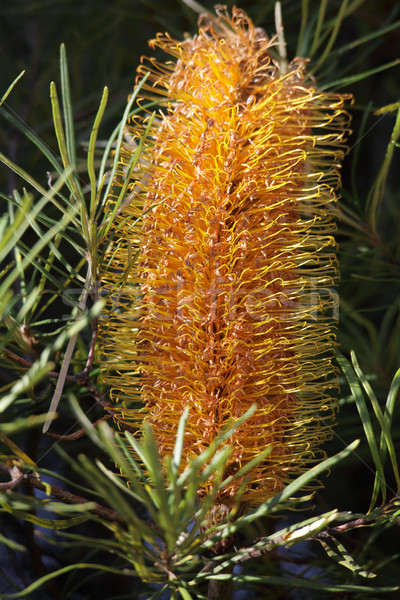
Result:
[{"x": 122, "y": 510}]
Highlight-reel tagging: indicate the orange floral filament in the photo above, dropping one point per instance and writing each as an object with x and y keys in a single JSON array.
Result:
[{"x": 231, "y": 301}]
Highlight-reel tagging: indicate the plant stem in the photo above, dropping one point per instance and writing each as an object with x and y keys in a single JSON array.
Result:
[{"x": 220, "y": 589}]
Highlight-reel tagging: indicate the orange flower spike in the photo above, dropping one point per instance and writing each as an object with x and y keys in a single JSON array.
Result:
[{"x": 237, "y": 259}]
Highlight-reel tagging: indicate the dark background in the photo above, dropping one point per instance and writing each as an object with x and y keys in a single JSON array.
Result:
[{"x": 104, "y": 42}]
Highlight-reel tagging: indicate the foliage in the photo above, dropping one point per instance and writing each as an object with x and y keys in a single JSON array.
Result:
[{"x": 82, "y": 497}]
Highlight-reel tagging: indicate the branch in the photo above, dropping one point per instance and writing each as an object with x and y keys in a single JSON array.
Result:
[
  {"x": 15, "y": 481},
  {"x": 18, "y": 477},
  {"x": 77, "y": 434},
  {"x": 86, "y": 372},
  {"x": 252, "y": 551},
  {"x": 81, "y": 378}
]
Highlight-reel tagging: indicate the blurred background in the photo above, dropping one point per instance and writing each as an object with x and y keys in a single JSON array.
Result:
[{"x": 104, "y": 42}]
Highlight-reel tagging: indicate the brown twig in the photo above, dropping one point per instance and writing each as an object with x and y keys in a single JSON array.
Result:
[
  {"x": 19, "y": 477},
  {"x": 77, "y": 434},
  {"x": 16, "y": 479},
  {"x": 81, "y": 378},
  {"x": 250, "y": 552},
  {"x": 28, "y": 364},
  {"x": 220, "y": 589}
]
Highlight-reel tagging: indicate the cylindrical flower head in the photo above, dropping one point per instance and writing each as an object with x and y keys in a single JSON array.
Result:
[{"x": 231, "y": 302}]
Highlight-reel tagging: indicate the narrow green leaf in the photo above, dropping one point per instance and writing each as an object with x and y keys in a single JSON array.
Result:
[
  {"x": 67, "y": 359},
  {"x": 386, "y": 442},
  {"x": 10, "y": 87},
  {"x": 277, "y": 501},
  {"x": 134, "y": 490},
  {"x": 389, "y": 409},
  {"x": 121, "y": 200},
  {"x": 355, "y": 152},
  {"x": 67, "y": 108},
  {"x": 59, "y": 476},
  {"x": 11, "y": 544},
  {"x": 203, "y": 459},
  {"x": 90, "y": 156},
  {"x": 21, "y": 424},
  {"x": 126, "y": 463},
  {"x": 376, "y": 33},
  {"x": 287, "y": 537},
  {"x": 159, "y": 492},
  {"x": 29, "y": 301},
  {"x": 46, "y": 523},
  {"x": 339, "y": 553},
  {"x": 45, "y": 271},
  {"x": 394, "y": 389},
  {"x": 346, "y": 81},
  {"x": 78, "y": 566},
  {"x": 38, "y": 246},
  {"x": 106, "y": 438},
  {"x": 318, "y": 27},
  {"x": 120, "y": 129},
  {"x": 110, "y": 152},
  {"x": 110, "y": 493},
  {"x": 301, "y": 46},
  {"x": 133, "y": 464},
  {"x": 184, "y": 594},
  {"x": 31, "y": 135},
  {"x": 38, "y": 370},
  {"x": 335, "y": 30},
  {"x": 42, "y": 366},
  {"x": 375, "y": 197},
  {"x": 72, "y": 180},
  {"x": 365, "y": 419},
  {"x": 247, "y": 467},
  {"x": 49, "y": 194},
  {"x": 297, "y": 582},
  {"x": 16, "y": 229},
  {"x": 58, "y": 127},
  {"x": 178, "y": 447}
]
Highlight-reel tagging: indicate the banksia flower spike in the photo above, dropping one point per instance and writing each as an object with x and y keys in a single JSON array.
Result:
[{"x": 233, "y": 216}]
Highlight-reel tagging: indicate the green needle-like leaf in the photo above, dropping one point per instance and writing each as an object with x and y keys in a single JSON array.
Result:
[
  {"x": 72, "y": 180},
  {"x": 375, "y": 198},
  {"x": 366, "y": 422},
  {"x": 67, "y": 108},
  {"x": 386, "y": 438},
  {"x": 90, "y": 157},
  {"x": 10, "y": 88},
  {"x": 177, "y": 453}
]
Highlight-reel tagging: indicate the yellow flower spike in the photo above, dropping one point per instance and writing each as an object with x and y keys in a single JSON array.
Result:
[{"x": 231, "y": 302}]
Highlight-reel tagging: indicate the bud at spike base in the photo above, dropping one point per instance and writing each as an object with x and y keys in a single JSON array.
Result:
[{"x": 232, "y": 216}]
